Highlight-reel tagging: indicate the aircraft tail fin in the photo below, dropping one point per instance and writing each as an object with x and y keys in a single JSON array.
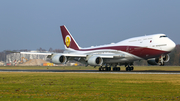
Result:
[{"x": 68, "y": 40}]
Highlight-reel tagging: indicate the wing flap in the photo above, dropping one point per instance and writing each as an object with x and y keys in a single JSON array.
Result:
[{"x": 111, "y": 55}]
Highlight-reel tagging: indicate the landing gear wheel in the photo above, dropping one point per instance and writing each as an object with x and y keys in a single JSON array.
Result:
[
  {"x": 104, "y": 68},
  {"x": 116, "y": 69},
  {"x": 109, "y": 69},
  {"x": 99, "y": 68},
  {"x": 129, "y": 68},
  {"x": 132, "y": 68}
]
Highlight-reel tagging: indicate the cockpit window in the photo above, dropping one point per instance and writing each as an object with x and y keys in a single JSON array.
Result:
[{"x": 163, "y": 36}]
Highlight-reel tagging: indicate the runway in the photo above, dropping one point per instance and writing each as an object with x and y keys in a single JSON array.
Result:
[{"x": 92, "y": 71}]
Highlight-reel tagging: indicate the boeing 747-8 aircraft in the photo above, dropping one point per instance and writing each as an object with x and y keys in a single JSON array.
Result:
[{"x": 153, "y": 48}]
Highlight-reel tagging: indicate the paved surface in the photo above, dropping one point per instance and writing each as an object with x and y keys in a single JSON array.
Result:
[{"x": 94, "y": 71}]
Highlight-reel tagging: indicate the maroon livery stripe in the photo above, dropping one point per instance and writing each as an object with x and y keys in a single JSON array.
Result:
[{"x": 142, "y": 52}]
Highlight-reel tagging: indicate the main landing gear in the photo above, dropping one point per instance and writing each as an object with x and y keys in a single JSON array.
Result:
[
  {"x": 109, "y": 68},
  {"x": 116, "y": 68},
  {"x": 104, "y": 68},
  {"x": 129, "y": 68}
]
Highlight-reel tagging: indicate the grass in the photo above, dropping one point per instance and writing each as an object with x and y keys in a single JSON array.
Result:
[{"x": 88, "y": 86}]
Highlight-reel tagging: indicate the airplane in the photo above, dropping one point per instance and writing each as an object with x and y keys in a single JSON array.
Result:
[{"x": 153, "y": 48}]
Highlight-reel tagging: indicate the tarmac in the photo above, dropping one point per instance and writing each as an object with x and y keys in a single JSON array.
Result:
[{"x": 93, "y": 71}]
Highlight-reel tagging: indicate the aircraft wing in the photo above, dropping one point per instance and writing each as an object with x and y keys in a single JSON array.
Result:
[
  {"x": 78, "y": 55},
  {"x": 91, "y": 59},
  {"x": 98, "y": 55}
]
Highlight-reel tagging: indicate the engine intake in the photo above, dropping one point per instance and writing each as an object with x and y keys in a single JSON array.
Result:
[
  {"x": 59, "y": 59},
  {"x": 166, "y": 58},
  {"x": 95, "y": 61}
]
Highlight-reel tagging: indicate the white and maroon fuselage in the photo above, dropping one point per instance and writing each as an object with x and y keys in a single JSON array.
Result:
[{"x": 144, "y": 47}]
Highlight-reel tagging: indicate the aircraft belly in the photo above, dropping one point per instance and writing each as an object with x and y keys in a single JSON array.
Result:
[{"x": 122, "y": 60}]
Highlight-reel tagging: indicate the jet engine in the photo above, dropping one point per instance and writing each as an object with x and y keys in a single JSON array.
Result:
[
  {"x": 159, "y": 61},
  {"x": 59, "y": 59},
  {"x": 95, "y": 61}
]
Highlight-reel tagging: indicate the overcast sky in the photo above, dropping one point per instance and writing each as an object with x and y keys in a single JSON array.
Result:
[{"x": 35, "y": 23}]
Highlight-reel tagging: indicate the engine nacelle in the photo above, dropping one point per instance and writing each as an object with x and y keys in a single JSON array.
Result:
[
  {"x": 59, "y": 59},
  {"x": 157, "y": 61},
  {"x": 166, "y": 58},
  {"x": 95, "y": 61},
  {"x": 153, "y": 61}
]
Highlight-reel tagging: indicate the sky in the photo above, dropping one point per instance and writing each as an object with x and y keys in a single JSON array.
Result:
[{"x": 31, "y": 24}]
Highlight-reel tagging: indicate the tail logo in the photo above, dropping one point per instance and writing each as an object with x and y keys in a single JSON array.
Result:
[{"x": 68, "y": 41}]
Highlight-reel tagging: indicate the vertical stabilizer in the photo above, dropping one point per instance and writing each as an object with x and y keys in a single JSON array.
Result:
[{"x": 68, "y": 40}]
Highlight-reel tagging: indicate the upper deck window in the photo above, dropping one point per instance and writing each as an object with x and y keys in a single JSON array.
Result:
[{"x": 163, "y": 36}]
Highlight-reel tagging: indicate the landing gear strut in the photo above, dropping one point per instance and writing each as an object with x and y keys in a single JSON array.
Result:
[{"x": 161, "y": 64}]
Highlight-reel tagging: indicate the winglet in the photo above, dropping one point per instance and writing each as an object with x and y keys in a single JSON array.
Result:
[{"x": 68, "y": 40}]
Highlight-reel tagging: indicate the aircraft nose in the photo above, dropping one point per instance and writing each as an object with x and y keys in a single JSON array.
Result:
[{"x": 171, "y": 45}]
